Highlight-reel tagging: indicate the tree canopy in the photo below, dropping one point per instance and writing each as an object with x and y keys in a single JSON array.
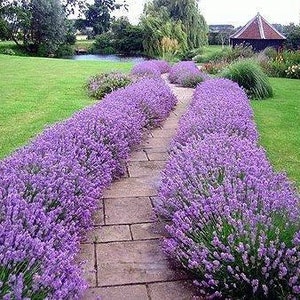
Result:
[
  {"x": 98, "y": 14},
  {"x": 175, "y": 22},
  {"x": 38, "y": 25},
  {"x": 292, "y": 33}
]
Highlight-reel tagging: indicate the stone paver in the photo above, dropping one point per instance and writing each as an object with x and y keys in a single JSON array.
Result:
[
  {"x": 114, "y": 233},
  {"x": 127, "y": 292},
  {"x": 180, "y": 290},
  {"x": 133, "y": 187},
  {"x": 122, "y": 256},
  {"x": 138, "y": 156},
  {"x": 163, "y": 133},
  {"x": 98, "y": 217},
  {"x": 88, "y": 259},
  {"x": 145, "y": 231},
  {"x": 161, "y": 142},
  {"x": 133, "y": 262},
  {"x": 145, "y": 168},
  {"x": 162, "y": 156},
  {"x": 128, "y": 210}
]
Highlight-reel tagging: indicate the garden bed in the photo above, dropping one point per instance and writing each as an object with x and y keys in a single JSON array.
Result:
[
  {"x": 233, "y": 221},
  {"x": 50, "y": 188}
]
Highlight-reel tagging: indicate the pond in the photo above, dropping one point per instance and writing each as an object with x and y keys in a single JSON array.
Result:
[{"x": 110, "y": 57}]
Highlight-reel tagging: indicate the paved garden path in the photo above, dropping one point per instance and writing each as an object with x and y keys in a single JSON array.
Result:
[{"x": 123, "y": 255}]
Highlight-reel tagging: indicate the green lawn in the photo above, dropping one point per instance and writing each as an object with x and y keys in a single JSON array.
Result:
[
  {"x": 278, "y": 121},
  {"x": 40, "y": 91}
]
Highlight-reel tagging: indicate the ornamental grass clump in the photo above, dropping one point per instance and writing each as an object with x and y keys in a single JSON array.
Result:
[
  {"x": 249, "y": 75},
  {"x": 50, "y": 189},
  {"x": 186, "y": 74},
  {"x": 100, "y": 85},
  {"x": 233, "y": 222}
]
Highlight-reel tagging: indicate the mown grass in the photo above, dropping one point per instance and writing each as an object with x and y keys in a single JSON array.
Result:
[
  {"x": 278, "y": 121},
  {"x": 36, "y": 92}
]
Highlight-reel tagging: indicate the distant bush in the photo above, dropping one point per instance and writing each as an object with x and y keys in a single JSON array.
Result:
[
  {"x": 293, "y": 72},
  {"x": 103, "y": 44},
  {"x": 279, "y": 62},
  {"x": 8, "y": 51},
  {"x": 214, "y": 67},
  {"x": 249, "y": 75},
  {"x": 270, "y": 52},
  {"x": 65, "y": 50},
  {"x": 220, "y": 54},
  {"x": 100, "y": 85}
]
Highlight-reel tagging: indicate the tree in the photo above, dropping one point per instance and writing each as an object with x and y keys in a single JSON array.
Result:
[
  {"x": 159, "y": 30},
  {"x": 292, "y": 33},
  {"x": 187, "y": 12},
  {"x": 127, "y": 38},
  {"x": 37, "y": 25},
  {"x": 70, "y": 6},
  {"x": 98, "y": 15},
  {"x": 48, "y": 26}
]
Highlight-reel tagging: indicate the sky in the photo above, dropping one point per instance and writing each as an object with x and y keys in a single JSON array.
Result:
[{"x": 234, "y": 12}]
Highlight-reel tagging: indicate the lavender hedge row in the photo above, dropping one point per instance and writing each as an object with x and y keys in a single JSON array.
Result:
[
  {"x": 233, "y": 221},
  {"x": 186, "y": 74},
  {"x": 50, "y": 189},
  {"x": 152, "y": 68}
]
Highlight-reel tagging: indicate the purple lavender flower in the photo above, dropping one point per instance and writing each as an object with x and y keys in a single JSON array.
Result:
[
  {"x": 50, "y": 189},
  {"x": 187, "y": 74},
  {"x": 233, "y": 221},
  {"x": 146, "y": 68}
]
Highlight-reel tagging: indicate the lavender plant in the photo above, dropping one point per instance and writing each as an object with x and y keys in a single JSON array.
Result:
[
  {"x": 186, "y": 74},
  {"x": 163, "y": 66},
  {"x": 147, "y": 68},
  {"x": 50, "y": 189},
  {"x": 100, "y": 85},
  {"x": 233, "y": 221},
  {"x": 217, "y": 106}
]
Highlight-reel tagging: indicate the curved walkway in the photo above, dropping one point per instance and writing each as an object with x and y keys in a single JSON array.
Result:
[{"x": 122, "y": 254}]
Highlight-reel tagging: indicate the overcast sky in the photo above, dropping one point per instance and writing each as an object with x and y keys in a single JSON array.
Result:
[{"x": 234, "y": 12}]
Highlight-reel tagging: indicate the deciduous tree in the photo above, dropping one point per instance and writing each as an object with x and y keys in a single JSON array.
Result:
[
  {"x": 98, "y": 14},
  {"x": 38, "y": 25}
]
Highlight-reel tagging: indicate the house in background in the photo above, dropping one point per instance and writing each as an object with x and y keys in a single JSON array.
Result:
[{"x": 259, "y": 34}]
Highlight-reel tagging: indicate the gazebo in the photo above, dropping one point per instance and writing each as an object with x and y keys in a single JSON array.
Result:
[{"x": 259, "y": 34}]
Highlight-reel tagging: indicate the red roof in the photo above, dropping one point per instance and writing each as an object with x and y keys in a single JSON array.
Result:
[{"x": 258, "y": 28}]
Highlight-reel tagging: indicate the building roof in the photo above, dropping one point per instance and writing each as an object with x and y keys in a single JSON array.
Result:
[{"x": 256, "y": 29}]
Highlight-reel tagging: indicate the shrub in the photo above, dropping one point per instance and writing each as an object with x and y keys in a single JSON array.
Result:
[
  {"x": 214, "y": 56},
  {"x": 218, "y": 105},
  {"x": 270, "y": 52},
  {"x": 214, "y": 67},
  {"x": 100, "y": 85},
  {"x": 146, "y": 68},
  {"x": 163, "y": 66},
  {"x": 293, "y": 72},
  {"x": 186, "y": 73},
  {"x": 8, "y": 51},
  {"x": 249, "y": 75},
  {"x": 239, "y": 52},
  {"x": 233, "y": 222},
  {"x": 50, "y": 189},
  {"x": 103, "y": 44}
]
